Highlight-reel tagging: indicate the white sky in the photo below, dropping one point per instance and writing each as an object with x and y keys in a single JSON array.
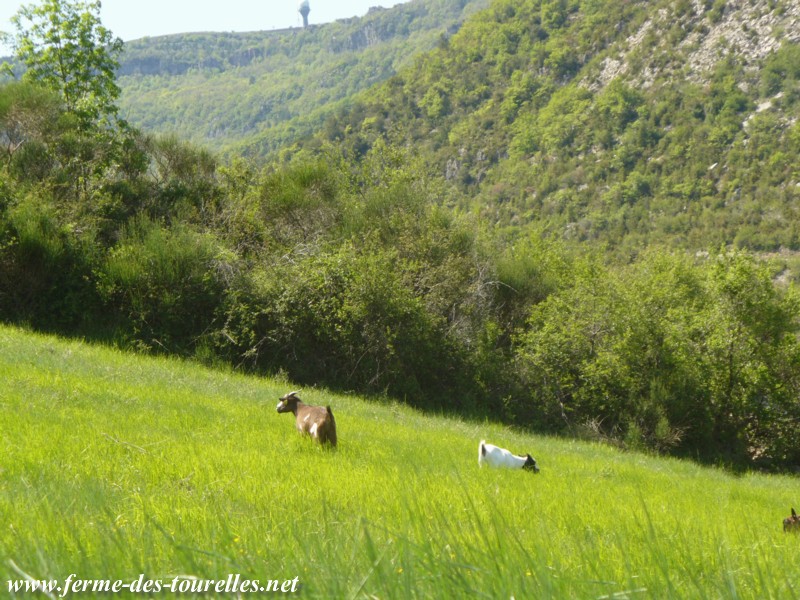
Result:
[{"x": 133, "y": 19}]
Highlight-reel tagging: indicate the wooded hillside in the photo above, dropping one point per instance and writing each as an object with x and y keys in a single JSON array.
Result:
[
  {"x": 557, "y": 218},
  {"x": 617, "y": 123},
  {"x": 255, "y": 92}
]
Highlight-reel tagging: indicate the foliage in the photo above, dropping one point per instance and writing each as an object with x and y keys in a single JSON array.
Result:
[
  {"x": 164, "y": 284},
  {"x": 64, "y": 46},
  {"x": 65, "y": 49},
  {"x": 355, "y": 274},
  {"x": 344, "y": 317},
  {"x": 576, "y": 118},
  {"x": 28, "y": 114},
  {"x": 668, "y": 352},
  {"x": 44, "y": 269},
  {"x": 556, "y": 277},
  {"x": 254, "y": 93}
]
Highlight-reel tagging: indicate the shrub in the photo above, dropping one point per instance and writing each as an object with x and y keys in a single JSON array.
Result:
[
  {"x": 45, "y": 269},
  {"x": 345, "y": 317},
  {"x": 163, "y": 284},
  {"x": 668, "y": 353}
]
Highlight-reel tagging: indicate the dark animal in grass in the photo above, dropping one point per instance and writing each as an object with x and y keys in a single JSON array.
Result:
[
  {"x": 316, "y": 421},
  {"x": 792, "y": 523}
]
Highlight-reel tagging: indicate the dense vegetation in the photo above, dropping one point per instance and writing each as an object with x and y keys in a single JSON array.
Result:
[
  {"x": 350, "y": 264},
  {"x": 615, "y": 123},
  {"x": 255, "y": 92}
]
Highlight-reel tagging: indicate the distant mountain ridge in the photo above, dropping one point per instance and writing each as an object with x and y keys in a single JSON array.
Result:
[{"x": 271, "y": 87}]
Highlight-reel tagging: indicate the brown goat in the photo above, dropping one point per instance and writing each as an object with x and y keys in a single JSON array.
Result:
[
  {"x": 316, "y": 421},
  {"x": 792, "y": 523}
]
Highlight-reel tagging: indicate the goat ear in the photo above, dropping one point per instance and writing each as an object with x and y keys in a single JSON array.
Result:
[{"x": 794, "y": 514}]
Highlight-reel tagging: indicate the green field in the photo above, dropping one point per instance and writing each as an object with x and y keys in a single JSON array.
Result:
[{"x": 114, "y": 466}]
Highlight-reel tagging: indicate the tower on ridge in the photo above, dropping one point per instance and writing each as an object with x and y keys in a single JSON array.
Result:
[{"x": 304, "y": 9}]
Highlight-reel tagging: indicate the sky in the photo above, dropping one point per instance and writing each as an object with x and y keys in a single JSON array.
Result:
[{"x": 133, "y": 19}]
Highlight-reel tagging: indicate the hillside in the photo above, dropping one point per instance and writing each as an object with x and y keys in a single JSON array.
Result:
[
  {"x": 535, "y": 222},
  {"x": 272, "y": 87},
  {"x": 621, "y": 124},
  {"x": 117, "y": 467}
]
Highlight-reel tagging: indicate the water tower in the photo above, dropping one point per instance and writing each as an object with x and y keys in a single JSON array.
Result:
[{"x": 304, "y": 9}]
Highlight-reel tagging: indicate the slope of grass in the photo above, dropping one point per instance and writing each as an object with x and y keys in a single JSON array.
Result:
[{"x": 114, "y": 465}]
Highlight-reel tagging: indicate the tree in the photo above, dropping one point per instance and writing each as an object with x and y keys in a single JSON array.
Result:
[
  {"x": 28, "y": 113},
  {"x": 65, "y": 47},
  {"x": 749, "y": 349}
]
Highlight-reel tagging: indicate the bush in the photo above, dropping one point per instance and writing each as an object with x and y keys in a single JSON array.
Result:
[
  {"x": 45, "y": 270},
  {"x": 668, "y": 353},
  {"x": 164, "y": 284},
  {"x": 345, "y": 317}
]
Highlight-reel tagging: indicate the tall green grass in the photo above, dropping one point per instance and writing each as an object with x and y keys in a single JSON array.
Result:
[{"x": 113, "y": 465}]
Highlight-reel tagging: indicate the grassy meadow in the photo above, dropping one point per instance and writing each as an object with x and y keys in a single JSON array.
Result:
[{"x": 114, "y": 465}]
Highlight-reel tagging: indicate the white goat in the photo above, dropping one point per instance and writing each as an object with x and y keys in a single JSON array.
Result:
[{"x": 502, "y": 458}]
